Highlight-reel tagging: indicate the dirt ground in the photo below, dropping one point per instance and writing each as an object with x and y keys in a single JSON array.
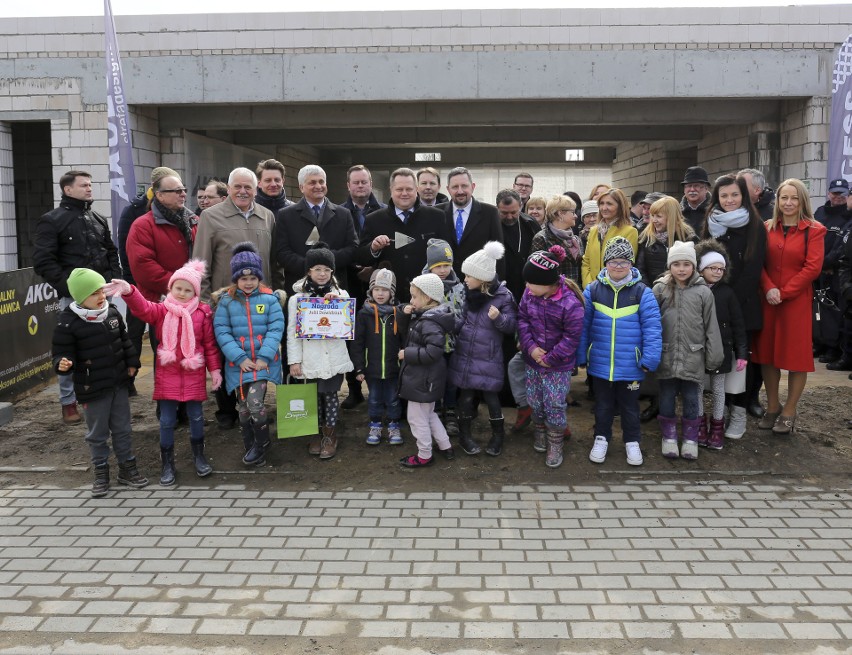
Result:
[{"x": 37, "y": 438}]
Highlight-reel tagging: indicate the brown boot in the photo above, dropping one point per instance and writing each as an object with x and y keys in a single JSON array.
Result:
[
  {"x": 328, "y": 447},
  {"x": 315, "y": 445},
  {"x": 70, "y": 414}
]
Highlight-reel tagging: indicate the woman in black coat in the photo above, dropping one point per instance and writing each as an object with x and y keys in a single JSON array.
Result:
[
  {"x": 734, "y": 222},
  {"x": 666, "y": 225}
]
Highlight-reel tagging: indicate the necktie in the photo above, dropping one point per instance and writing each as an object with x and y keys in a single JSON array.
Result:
[
  {"x": 362, "y": 218},
  {"x": 316, "y": 211},
  {"x": 406, "y": 215},
  {"x": 459, "y": 225}
]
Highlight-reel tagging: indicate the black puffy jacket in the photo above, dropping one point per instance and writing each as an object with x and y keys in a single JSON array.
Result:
[
  {"x": 100, "y": 352},
  {"x": 73, "y": 236},
  {"x": 378, "y": 337},
  {"x": 423, "y": 374}
]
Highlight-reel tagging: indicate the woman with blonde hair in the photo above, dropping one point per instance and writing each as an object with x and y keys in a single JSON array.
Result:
[
  {"x": 665, "y": 226},
  {"x": 794, "y": 253},
  {"x": 598, "y": 190},
  {"x": 560, "y": 217},
  {"x": 536, "y": 207},
  {"x": 613, "y": 221}
]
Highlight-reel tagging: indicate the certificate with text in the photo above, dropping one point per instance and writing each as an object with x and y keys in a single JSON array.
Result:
[{"x": 321, "y": 318}]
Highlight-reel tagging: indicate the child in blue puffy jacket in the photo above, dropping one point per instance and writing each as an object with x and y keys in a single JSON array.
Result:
[
  {"x": 622, "y": 339},
  {"x": 249, "y": 325}
]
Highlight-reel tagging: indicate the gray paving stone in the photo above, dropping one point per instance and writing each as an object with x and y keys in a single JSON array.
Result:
[
  {"x": 66, "y": 624},
  {"x": 222, "y": 627},
  {"x": 811, "y": 631}
]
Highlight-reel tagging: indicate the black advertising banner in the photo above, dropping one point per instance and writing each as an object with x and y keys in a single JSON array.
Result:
[{"x": 29, "y": 308}]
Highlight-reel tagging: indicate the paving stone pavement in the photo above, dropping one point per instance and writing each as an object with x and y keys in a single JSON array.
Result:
[{"x": 639, "y": 561}]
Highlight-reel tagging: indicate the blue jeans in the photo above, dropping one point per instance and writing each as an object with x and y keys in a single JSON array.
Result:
[
  {"x": 624, "y": 395},
  {"x": 383, "y": 399},
  {"x": 168, "y": 421},
  {"x": 689, "y": 393}
]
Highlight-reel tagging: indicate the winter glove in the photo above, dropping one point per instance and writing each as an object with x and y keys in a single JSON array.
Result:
[
  {"x": 741, "y": 364},
  {"x": 216, "y": 376},
  {"x": 117, "y": 288}
]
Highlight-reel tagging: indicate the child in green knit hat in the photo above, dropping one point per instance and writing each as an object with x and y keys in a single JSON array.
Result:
[{"x": 91, "y": 330}]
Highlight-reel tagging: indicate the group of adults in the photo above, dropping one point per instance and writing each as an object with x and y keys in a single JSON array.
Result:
[{"x": 771, "y": 265}]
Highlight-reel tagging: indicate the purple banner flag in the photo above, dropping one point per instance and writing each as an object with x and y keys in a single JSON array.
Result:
[
  {"x": 840, "y": 127},
  {"x": 122, "y": 179}
]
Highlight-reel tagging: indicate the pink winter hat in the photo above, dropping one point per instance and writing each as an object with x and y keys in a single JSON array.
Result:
[{"x": 192, "y": 272}]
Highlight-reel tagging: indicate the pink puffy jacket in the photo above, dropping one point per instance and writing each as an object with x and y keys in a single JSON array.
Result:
[{"x": 172, "y": 381}]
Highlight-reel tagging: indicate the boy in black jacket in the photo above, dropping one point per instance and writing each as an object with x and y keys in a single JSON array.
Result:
[
  {"x": 378, "y": 338},
  {"x": 91, "y": 343}
]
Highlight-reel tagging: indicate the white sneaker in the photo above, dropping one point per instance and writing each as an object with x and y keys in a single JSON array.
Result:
[
  {"x": 598, "y": 454},
  {"x": 634, "y": 453},
  {"x": 737, "y": 423}
]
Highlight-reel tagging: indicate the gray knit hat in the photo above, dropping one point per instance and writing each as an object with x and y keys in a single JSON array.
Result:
[
  {"x": 589, "y": 207},
  {"x": 431, "y": 285},
  {"x": 681, "y": 251},
  {"x": 384, "y": 279},
  {"x": 438, "y": 253},
  {"x": 619, "y": 248},
  {"x": 483, "y": 263}
]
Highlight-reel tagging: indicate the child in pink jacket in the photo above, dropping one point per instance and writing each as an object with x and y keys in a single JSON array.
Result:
[{"x": 183, "y": 327}]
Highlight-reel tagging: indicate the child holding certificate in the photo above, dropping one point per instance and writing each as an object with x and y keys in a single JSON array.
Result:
[{"x": 323, "y": 361}]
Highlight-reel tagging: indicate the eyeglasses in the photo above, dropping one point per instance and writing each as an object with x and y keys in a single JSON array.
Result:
[
  {"x": 715, "y": 269},
  {"x": 321, "y": 270},
  {"x": 619, "y": 263},
  {"x": 566, "y": 211},
  {"x": 523, "y": 186},
  {"x": 179, "y": 190}
]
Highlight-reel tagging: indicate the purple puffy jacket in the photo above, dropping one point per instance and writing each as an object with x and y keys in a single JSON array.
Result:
[
  {"x": 477, "y": 362},
  {"x": 554, "y": 324}
]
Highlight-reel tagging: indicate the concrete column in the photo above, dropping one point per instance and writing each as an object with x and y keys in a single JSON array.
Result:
[
  {"x": 8, "y": 231},
  {"x": 764, "y": 149},
  {"x": 804, "y": 143}
]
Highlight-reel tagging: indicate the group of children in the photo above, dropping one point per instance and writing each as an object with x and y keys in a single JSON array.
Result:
[{"x": 444, "y": 346}]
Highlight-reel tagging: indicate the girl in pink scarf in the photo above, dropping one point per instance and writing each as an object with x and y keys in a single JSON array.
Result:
[{"x": 183, "y": 327}]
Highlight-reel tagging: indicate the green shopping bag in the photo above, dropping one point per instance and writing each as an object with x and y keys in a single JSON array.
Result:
[{"x": 297, "y": 410}]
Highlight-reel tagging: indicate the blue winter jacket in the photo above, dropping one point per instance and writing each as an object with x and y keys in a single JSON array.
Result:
[
  {"x": 250, "y": 328},
  {"x": 622, "y": 331}
]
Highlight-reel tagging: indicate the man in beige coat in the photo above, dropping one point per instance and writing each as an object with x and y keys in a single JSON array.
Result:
[{"x": 238, "y": 218}]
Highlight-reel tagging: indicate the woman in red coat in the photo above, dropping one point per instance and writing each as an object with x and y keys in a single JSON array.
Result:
[{"x": 794, "y": 255}]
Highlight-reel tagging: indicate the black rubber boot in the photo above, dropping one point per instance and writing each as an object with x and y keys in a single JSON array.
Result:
[
  {"x": 247, "y": 430},
  {"x": 495, "y": 444},
  {"x": 468, "y": 445},
  {"x": 168, "y": 474},
  {"x": 202, "y": 466},
  {"x": 100, "y": 486},
  {"x": 256, "y": 456}
]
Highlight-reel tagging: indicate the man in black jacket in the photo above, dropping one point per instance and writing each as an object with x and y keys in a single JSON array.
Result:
[
  {"x": 696, "y": 198},
  {"x": 314, "y": 218},
  {"x": 471, "y": 222},
  {"x": 518, "y": 232},
  {"x": 270, "y": 186},
  {"x": 428, "y": 185},
  {"x": 762, "y": 196},
  {"x": 68, "y": 237}
]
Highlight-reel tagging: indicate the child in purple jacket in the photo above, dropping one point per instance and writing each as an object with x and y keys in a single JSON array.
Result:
[{"x": 550, "y": 324}]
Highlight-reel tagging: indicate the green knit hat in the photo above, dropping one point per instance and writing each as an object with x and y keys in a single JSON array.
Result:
[{"x": 83, "y": 282}]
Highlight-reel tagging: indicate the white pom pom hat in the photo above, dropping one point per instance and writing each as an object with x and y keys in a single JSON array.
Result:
[{"x": 483, "y": 263}]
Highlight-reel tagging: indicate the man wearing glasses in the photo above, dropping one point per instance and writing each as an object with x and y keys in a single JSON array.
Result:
[
  {"x": 696, "y": 197},
  {"x": 71, "y": 236},
  {"x": 524, "y": 186}
]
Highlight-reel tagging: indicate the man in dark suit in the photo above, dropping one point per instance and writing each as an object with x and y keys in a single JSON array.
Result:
[
  {"x": 518, "y": 232},
  {"x": 295, "y": 225},
  {"x": 406, "y": 215},
  {"x": 471, "y": 222}
]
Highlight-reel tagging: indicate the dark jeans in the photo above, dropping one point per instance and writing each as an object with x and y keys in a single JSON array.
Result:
[
  {"x": 168, "y": 421},
  {"x": 689, "y": 394},
  {"x": 623, "y": 395},
  {"x": 383, "y": 399},
  {"x": 492, "y": 399}
]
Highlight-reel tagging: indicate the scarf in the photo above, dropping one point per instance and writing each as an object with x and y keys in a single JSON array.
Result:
[
  {"x": 178, "y": 319},
  {"x": 475, "y": 299},
  {"x": 720, "y": 222},
  {"x": 619, "y": 283},
  {"x": 183, "y": 219},
  {"x": 602, "y": 230},
  {"x": 90, "y": 315},
  {"x": 567, "y": 240},
  {"x": 314, "y": 290},
  {"x": 662, "y": 237}
]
